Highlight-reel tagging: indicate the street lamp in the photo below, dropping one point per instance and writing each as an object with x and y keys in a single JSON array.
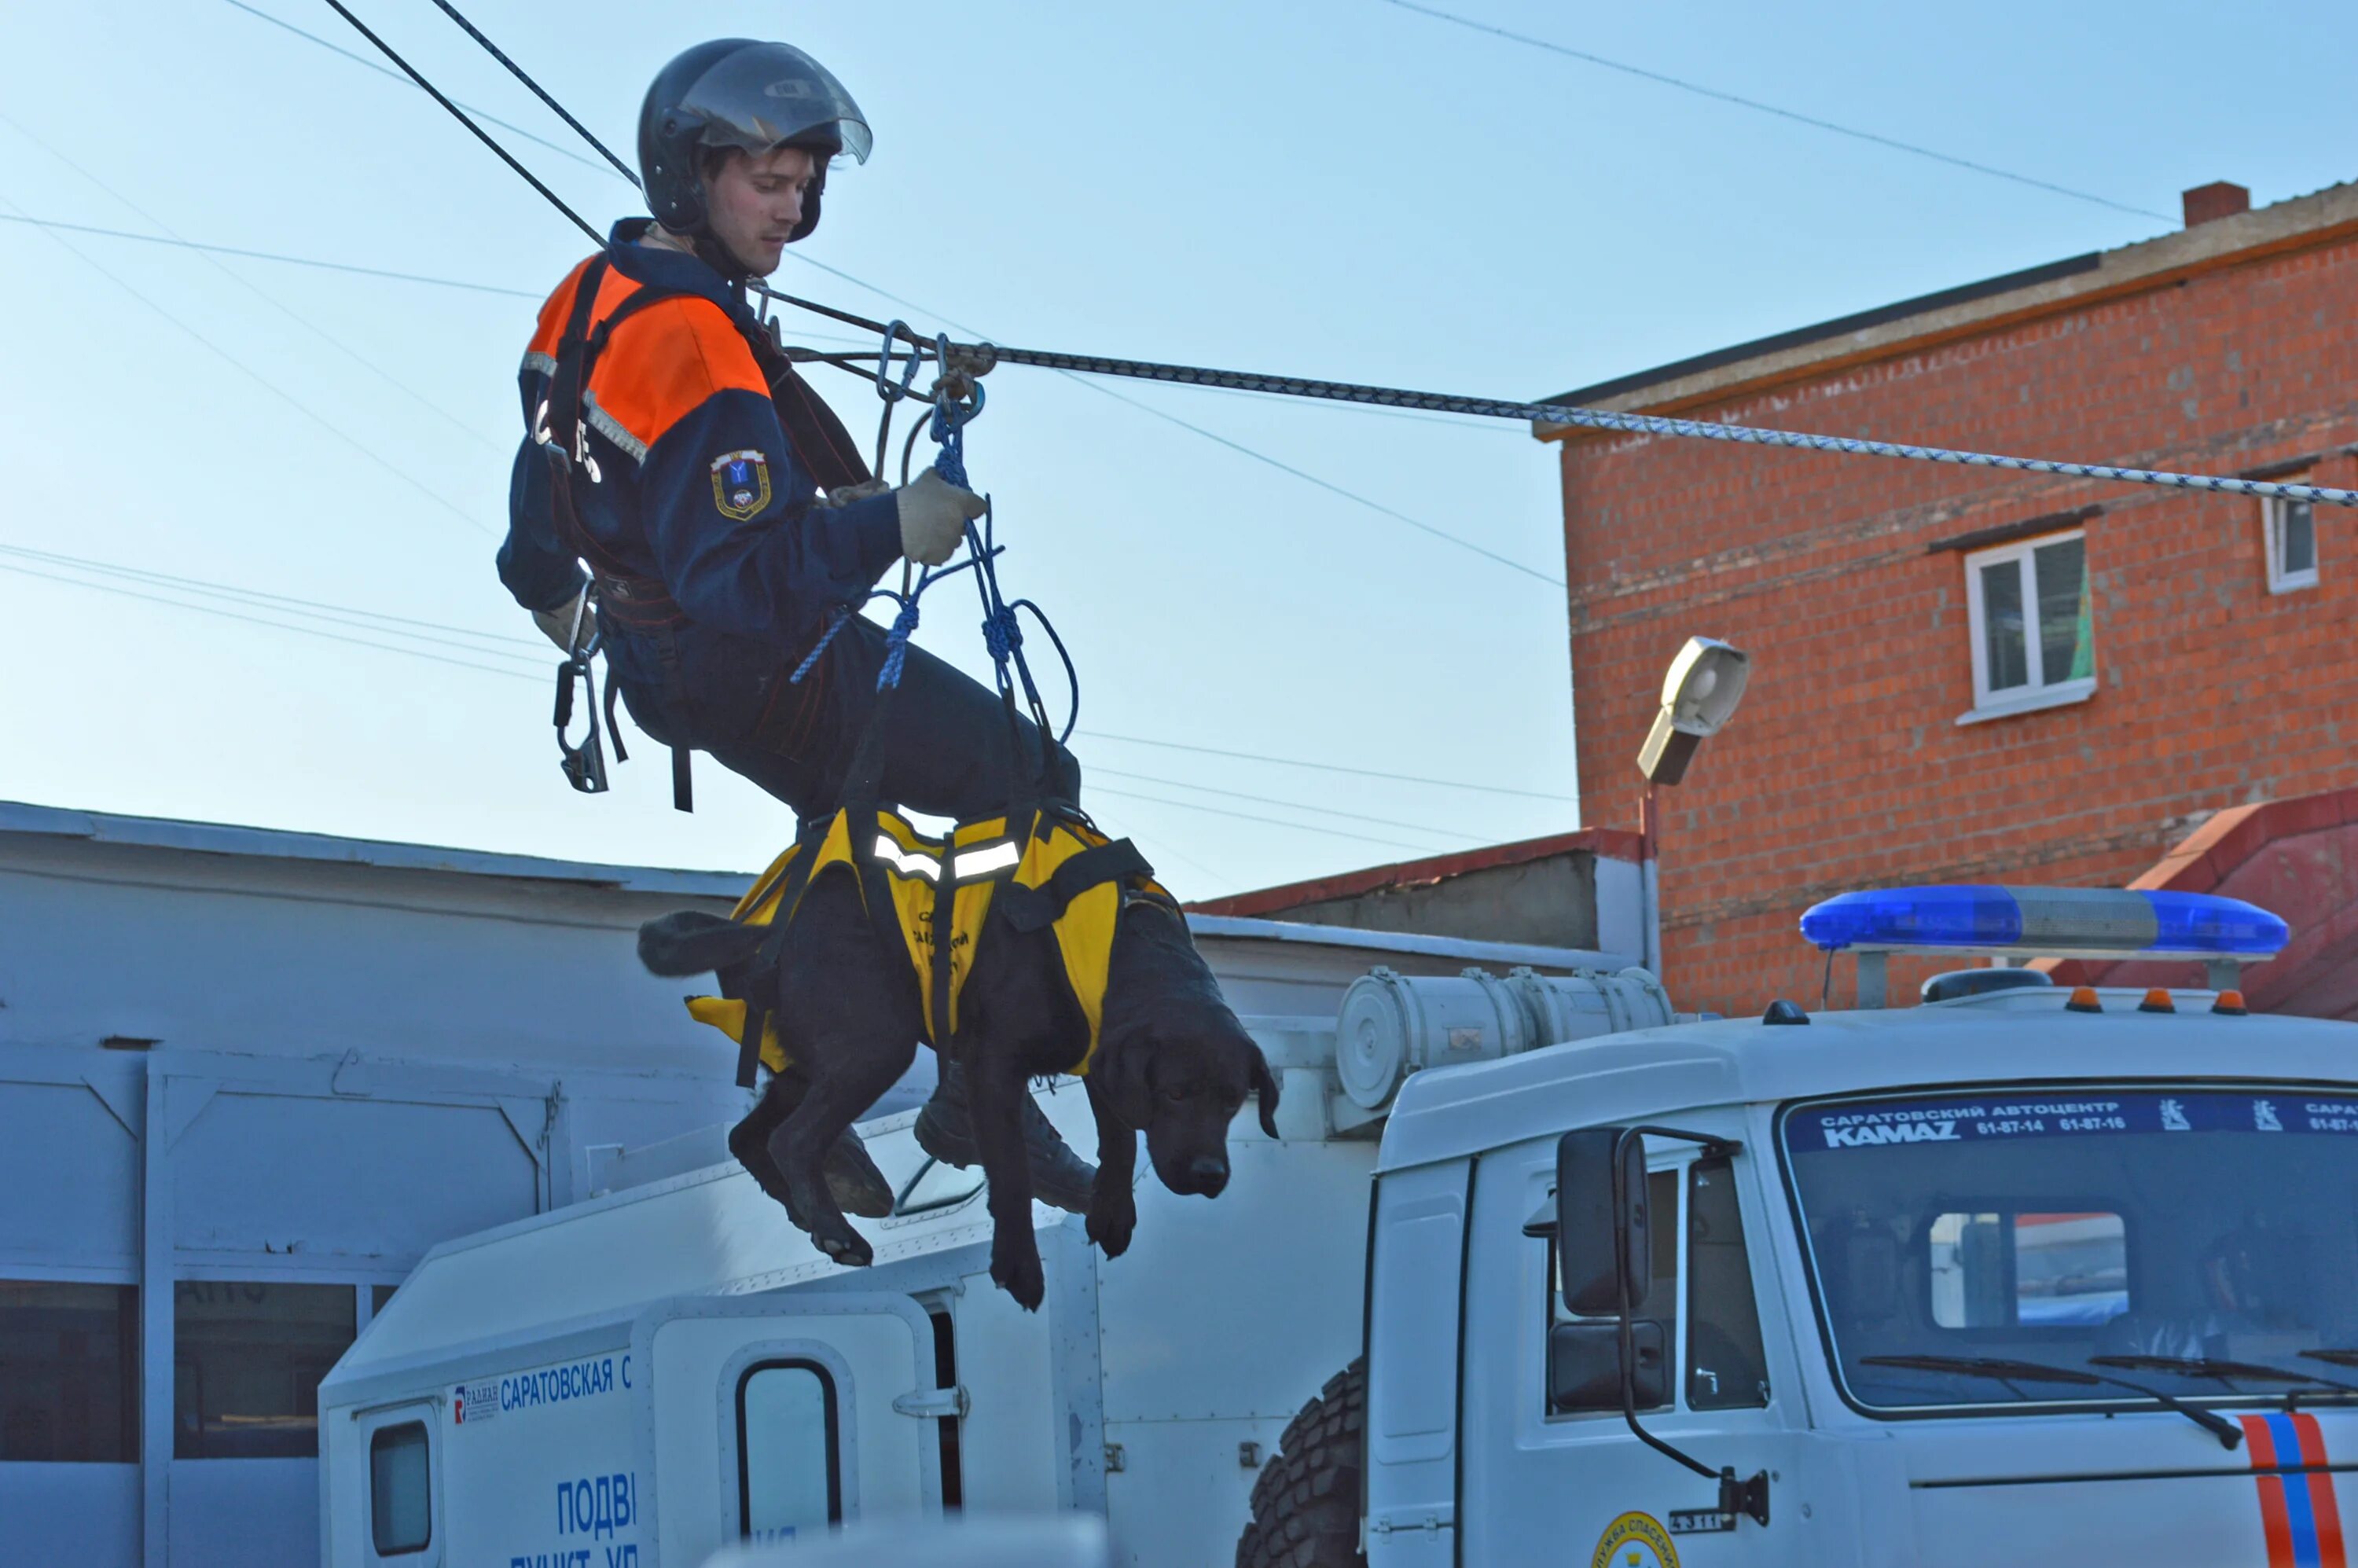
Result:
[{"x": 1699, "y": 694}]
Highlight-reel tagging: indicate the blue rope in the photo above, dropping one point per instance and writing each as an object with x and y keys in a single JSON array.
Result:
[
  {"x": 835, "y": 623},
  {"x": 897, "y": 641}
]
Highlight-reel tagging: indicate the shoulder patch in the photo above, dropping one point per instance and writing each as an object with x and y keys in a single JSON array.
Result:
[{"x": 741, "y": 484}]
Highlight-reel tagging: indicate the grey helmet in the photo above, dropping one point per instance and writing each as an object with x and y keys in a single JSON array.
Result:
[{"x": 741, "y": 93}]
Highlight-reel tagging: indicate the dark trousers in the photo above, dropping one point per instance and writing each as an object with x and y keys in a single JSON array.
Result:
[{"x": 946, "y": 748}]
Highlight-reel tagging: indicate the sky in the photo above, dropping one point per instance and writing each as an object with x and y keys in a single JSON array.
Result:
[{"x": 1345, "y": 188}]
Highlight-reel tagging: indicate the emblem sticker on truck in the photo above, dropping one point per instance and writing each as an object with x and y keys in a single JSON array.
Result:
[
  {"x": 2297, "y": 1513},
  {"x": 1635, "y": 1540}
]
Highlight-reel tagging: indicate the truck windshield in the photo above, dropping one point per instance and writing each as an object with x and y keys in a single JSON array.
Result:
[{"x": 2177, "y": 1226}]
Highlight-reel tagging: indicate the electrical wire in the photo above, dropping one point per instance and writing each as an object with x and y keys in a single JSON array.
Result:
[
  {"x": 260, "y": 380},
  {"x": 1794, "y": 115},
  {"x": 275, "y": 625},
  {"x": 271, "y": 256},
  {"x": 367, "y": 620},
  {"x": 1271, "y": 821},
  {"x": 366, "y": 63},
  {"x": 1100, "y": 771},
  {"x": 1327, "y": 767},
  {"x": 349, "y": 352}
]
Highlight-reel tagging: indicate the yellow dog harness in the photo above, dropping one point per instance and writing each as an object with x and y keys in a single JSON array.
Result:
[{"x": 1052, "y": 870}]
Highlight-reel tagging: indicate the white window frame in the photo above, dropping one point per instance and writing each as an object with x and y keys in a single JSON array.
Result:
[
  {"x": 2272, "y": 509},
  {"x": 2039, "y": 693}
]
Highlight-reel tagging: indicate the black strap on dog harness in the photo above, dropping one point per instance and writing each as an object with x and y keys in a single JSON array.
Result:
[{"x": 818, "y": 441}]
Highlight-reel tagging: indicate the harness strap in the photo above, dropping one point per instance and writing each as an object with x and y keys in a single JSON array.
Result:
[{"x": 1038, "y": 908}]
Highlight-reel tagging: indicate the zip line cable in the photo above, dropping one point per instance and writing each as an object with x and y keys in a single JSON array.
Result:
[
  {"x": 264, "y": 381},
  {"x": 518, "y": 73},
  {"x": 1792, "y": 114},
  {"x": 1239, "y": 446},
  {"x": 1248, "y": 817},
  {"x": 459, "y": 115},
  {"x": 368, "y": 64}
]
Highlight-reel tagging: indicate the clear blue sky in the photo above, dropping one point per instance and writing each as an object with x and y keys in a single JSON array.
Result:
[{"x": 1338, "y": 188}]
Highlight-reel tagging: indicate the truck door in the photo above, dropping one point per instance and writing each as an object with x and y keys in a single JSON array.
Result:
[
  {"x": 775, "y": 1417},
  {"x": 1551, "y": 1470}
]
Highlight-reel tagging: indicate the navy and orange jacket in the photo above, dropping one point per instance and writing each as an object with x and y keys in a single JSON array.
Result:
[{"x": 689, "y": 479}]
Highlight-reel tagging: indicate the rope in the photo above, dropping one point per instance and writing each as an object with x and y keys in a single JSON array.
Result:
[
  {"x": 978, "y": 358},
  {"x": 481, "y": 134},
  {"x": 538, "y": 91},
  {"x": 897, "y": 641}
]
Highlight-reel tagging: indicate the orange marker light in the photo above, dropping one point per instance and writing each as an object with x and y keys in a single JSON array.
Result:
[
  {"x": 2084, "y": 999},
  {"x": 2156, "y": 1001},
  {"x": 2232, "y": 1004}
]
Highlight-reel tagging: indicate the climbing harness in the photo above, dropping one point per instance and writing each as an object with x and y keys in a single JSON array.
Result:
[
  {"x": 642, "y": 603},
  {"x": 1039, "y": 865}
]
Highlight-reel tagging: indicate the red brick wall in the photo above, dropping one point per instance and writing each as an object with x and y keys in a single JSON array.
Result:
[{"x": 1845, "y": 767}]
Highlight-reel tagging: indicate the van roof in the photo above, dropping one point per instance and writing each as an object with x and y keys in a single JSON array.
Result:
[{"x": 1651, "y": 1073}]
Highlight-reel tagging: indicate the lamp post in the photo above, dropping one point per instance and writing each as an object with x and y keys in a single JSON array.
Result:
[{"x": 1699, "y": 694}]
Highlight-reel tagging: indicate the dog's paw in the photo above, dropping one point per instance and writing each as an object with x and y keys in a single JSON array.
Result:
[
  {"x": 1015, "y": 1269},
  {"x": 844, "y": 1246},
  {"x": 1113, "y": 1217}
]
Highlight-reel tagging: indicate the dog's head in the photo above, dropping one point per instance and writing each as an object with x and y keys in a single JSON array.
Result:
[{"x": 1178, "y": 1064}]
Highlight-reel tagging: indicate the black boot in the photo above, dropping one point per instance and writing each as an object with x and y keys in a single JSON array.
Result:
[{"x": 1060, "y": 1178}]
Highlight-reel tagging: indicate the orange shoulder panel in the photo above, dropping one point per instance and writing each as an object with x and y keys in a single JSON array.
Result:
[
  {"x": 663, "y": 362},
  {"x": 553, "y": 311}
]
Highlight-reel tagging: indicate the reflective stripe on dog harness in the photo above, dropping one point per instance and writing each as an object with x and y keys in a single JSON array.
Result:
[{"x": 1063, "y": 875}]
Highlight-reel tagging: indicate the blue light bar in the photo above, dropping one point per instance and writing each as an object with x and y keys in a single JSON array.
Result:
[{"x": 2056, "y": 923}]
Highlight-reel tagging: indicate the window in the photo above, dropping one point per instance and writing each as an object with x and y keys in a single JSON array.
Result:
[
  {"x": 401, "y": 1509},
  {"x": 68, "y": 1373},
  {"x": 2030, "y": 612},
  {"x": 2007, "y": 1270},
  {"x": 2290, "y": 530},
  {"x": 1583, "y": 1364},
  {"x": 788, "y": 1476},
  {"x": 1726, "y": 1368},
  {"x": 247, "y": 1364}
]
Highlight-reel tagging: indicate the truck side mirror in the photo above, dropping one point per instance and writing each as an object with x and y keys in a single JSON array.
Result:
[{"x": 1596, "y": 1233}]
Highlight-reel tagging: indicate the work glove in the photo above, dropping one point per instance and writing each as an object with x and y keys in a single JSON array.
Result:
[
  {"x": 933, "y": 516},
  {"x": 557, "y": 625}
]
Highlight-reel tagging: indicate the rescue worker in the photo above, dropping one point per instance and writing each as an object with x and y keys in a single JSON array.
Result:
[{"x": 670, "y": 446}]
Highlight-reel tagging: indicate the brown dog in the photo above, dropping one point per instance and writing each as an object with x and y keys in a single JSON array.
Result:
[{"x": 1171, "y": 1062}]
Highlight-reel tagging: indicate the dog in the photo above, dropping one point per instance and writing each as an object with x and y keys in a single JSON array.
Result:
[{"x": 1172, "y": 1060}]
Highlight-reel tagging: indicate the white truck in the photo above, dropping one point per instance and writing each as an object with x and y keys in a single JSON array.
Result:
[{"x": 2020, "y": 1274}]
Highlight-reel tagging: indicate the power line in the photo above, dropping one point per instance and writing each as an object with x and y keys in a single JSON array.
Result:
[
  {"x": 271, "y": 256},
  {"x": 311, "y": 327},
  {"x": 1327, "y": 767},
  {"x": 260, "y": 380},
  {"x": 366, "y": 620},
  {"x": 1271, "y": 821},
  {"x": 1099, "y": 770},
  {"x": 559, "y": 150},
  {"x": 1754, "y": 103},
  {"x": 258, "y": 621}
]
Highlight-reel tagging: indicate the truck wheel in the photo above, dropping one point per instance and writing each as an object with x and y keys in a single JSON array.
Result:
[{"x": 1305, "y": 1504}]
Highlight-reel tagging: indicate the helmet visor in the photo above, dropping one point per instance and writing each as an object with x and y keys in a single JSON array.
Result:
[{"x": 767, "y": 95}]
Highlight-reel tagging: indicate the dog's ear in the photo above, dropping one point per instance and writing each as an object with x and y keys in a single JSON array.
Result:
[
  {"x": 1265, "y": 1091},
  {"x": 689, "y": 942}
]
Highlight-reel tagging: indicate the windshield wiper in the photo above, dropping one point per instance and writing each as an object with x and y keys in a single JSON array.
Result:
[
  {"x": 2228, "y": 1371},
  {"x": 1999, "y": 1369}
]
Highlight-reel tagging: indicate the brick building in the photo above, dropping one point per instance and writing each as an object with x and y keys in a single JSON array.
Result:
[{"x": 1961, "y": 675}]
